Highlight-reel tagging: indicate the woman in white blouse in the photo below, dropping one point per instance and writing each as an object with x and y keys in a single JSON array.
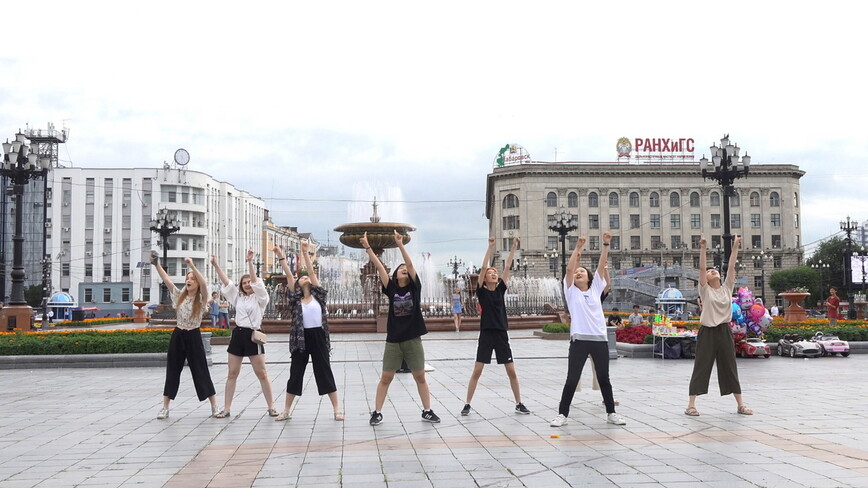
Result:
[{"x": 250, "y": 300}]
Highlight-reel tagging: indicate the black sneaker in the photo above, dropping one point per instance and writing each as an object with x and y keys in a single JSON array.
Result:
[
  {"x": 520, "y": 408},
  {"x": 466, "y": 410},
  {"x": 430, "y": 416},
  {"x": 376, "y": 418}
]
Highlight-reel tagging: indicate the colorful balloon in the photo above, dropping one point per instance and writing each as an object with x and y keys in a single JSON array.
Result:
[
  {"x": 736, "y": 311},
  {"x": 745, "y": 297},
  {"x": 756, "y": 312},
  {"x": 765, "y": 322}
]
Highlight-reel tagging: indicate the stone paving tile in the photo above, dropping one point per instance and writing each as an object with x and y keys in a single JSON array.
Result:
[{"x": 115, "y": 440}]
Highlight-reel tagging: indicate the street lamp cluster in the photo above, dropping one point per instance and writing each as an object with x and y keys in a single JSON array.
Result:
[
  {"x": 760, "y": 261},
  {"x": 725, "y": 168},
  {"x": 21, "y": 163},
  {"x": 165, "y": 224},
  {"x": 849, "y": 226},
  {"x": 821, "y": 267},
  {"x": 564, "y": 223}
]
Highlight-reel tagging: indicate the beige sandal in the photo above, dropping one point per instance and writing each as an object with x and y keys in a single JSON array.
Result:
[
  {"x": 744, "y": 410},
  {"x": 339, "y": 416},
  {"x": 691, "y": 411},
  {"x": 284, "y": 415}
]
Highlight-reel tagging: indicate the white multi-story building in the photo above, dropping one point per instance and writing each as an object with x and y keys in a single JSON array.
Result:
[{"x": 100, "y": 235}]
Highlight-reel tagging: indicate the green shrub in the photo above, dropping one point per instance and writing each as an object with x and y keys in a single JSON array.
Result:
[
  {"x": 556, "y": 328},
  {"x": 89, "y": 342}
]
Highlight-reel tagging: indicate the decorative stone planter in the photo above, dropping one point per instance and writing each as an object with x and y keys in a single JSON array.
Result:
[
  {"x": 139, "y": 314},
  {"x": 794, "y": 313}
]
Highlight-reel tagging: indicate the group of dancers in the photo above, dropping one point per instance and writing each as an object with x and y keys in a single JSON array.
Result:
[{"x": 309, "y": 334}]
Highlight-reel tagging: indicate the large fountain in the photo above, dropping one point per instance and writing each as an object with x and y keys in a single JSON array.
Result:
[{"x": 381, "y": 235}]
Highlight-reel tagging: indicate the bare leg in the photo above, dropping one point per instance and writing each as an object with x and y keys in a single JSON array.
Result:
[
  {"x": 166, "y": 401},
  {"x": 234, "y": 363},
  {"x": 333, "y": 396},
  {"x": 258, "y": 363},
  {"x": 513, "y": 381},
  {"x": 422, "y": 386},
  {"x": 474, "y": 380},
  {"x": 383, "y": 388},
  {"x": 287, "y": 404}
]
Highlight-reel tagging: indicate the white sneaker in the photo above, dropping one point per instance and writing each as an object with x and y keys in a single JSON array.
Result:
[
  {"x": 164, "y": 414},
  {"x": 616, "y": 419},
  {"x": 559, "y": 421}
]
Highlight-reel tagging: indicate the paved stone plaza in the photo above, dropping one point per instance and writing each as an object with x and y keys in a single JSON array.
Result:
[{"x": 97, "y": 427}]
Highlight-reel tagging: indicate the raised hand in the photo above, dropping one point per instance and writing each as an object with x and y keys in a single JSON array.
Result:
[
  {"x": 736, "y": 241},
  {"x": 250, "y": 254},
  {"x": 364, "y": 241},
  {"x": 581, "y": 243},
  {"x": 189, "y": 262},
  {"x": 304, "y": 246},
  {"x": 278, "y": 252},
  {"x": 607, "y": 237},
  {"x": 515, "y": 242},
  {"x": 491, "y": 242},
  {"x": 702, "y": 241},
  {"x": 399, "y": 239},
  {"x": 213, "y": 260}
]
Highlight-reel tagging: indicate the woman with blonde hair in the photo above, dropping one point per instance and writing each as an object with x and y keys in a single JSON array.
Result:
[
  {"x": 309, "y": 336},
  {"x": 191, "y": 304},
  {"x": 250, "y": 299}
]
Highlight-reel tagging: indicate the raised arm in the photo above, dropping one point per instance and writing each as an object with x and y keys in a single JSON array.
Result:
[
  {"x": 251, "y": 270},
  {"x": 733, "y": 256},
  {"x": 284, "y": 265},
  {"x": 486, "y": 261},
  {"x": 311, "y": 271},
  {"x": 203, "y": 285},
  {"x": 220, "y": 274},
  {"x": 508, "y": 265},
  {"x": 573, "y": 263},
  {"x": 155, "y": 260},
  {"x": 381, "y": 270},
  {"x": 703, "y": 260},
  {"x": 399, "y": 240},
  {"x": 604, "y": 256}
]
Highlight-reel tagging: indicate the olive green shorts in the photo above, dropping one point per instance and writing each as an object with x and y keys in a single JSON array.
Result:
[{"x": 410, "y": 351}]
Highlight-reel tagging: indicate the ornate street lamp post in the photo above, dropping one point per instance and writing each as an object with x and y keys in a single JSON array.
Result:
[
  {"x": 760, "y": 261},
  {"x": 165, "y": 224},
  {"x": 848, "y": 227},
  {"x": 552, "y": 256},
  {"x": 522, "y": 264},
  {"x": 563, "y": 225},
  {"x": 725, "y": 168},
  {"x": 21, "y": 163},
  {"x": 821, "y": 267},
  {"x": 455, "y": 263}
]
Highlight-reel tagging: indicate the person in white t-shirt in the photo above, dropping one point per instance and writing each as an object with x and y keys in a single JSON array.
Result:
[{"x": 587, "y": 330}]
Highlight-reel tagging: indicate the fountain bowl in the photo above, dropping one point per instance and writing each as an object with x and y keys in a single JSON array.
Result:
[{"x": 380, "y": 234}]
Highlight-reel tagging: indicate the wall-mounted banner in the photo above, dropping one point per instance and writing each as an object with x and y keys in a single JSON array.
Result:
[
  {"x": 511, "y": 154},
  {"x": 657, "y": 149}
]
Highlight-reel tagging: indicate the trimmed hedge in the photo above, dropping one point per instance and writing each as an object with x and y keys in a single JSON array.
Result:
[
  {"x": 556, "y": 328},
  {"x": 89, "y": 341}
]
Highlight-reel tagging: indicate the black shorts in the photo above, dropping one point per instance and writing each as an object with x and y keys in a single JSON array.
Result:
[
  {"x": 493, "y": 340},
  {"x": 241, "y": 345}
]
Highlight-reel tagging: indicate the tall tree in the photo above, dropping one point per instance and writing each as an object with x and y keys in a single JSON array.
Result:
[{"x": 832, "y": 251}]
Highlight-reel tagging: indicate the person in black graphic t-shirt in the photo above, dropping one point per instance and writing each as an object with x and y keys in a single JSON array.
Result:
[
  {"x": 404, "y": 330},
  {"x": 493, "y": 335}
]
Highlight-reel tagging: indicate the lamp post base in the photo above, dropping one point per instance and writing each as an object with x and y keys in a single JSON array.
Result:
[{"x": 14, "y": 317}]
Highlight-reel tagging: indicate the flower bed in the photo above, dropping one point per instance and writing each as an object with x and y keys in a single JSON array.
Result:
[
  {"x": 89, "y": 341},
  {"x": 92, "y": 322},
  {"x": 848, "y": 330}
]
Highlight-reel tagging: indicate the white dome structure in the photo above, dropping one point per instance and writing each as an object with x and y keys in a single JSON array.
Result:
[{"x": 671, "y": 302}]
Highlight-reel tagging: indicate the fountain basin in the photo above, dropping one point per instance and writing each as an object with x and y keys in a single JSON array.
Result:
[{"x": 380, "y": 234}]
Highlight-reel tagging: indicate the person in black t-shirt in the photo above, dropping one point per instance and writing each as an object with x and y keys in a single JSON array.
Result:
[
  {"x": 493, "y": 335},
  {"x": 615, "y": 319},
  {"x": 404, "y": 330}
]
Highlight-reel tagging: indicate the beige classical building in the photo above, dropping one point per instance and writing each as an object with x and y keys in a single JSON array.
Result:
[{"x": 656, "y": 213}]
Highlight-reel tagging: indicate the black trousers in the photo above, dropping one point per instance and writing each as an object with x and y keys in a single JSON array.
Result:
[
  {"x": 579, "y": 350},
  {"x": 316, "y": 350},
  {"x": 186, "y": 345}
]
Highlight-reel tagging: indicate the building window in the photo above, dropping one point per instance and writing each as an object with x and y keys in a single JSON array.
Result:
[
  {"x": 654, "y": 199},
  {"x": 125, "y": 295},
  {"x": 593, "y": 199},
  {"x": 736, "y": 221},
  {"x": 507, "y": 243},
  {"x": 613, "y": 199},
  {"x": 616, "y": 243},
  {"x": 551, "y": 199},
  {"x": 655, "y": 221},
  {"x": 694, "y": 242},
  {"x": 552, "y": 243},
  {"x": 715, "y": 221},
  {"x": 107, "y": 270},
  {"x": 715, "y": 199},
  {"x": 778, "y": 262},
  {"x": 614, "y": 221},
  {"x": 572, "y": 200},
  {"x": 676, "y": 242},
  {"x": 796, "y": 220},
  {"x": 106, "y": 295},
  {"x": 695, "y": 221},
  {"x": 734, "y": 200},
  {"x": 571, "y": 242},
  {"x": 675, "y": 221},
  {"x": 88, "y": 272},
  {"x": 776, "y": 220},
  {"x": 125, "y": 271},
  {"x": 634, "y": 221},
  {"x": 776, "y": 241},
  {"x": 655, "y": 242},
  {"x": 754, "y": 199},
  {"x": 635, "y": 242},
  {"x": 694, "y": 199},
  {"x": 634, "y": 199},
  {"x": 510, "y": 201},
  {"x": 755, "y": 220},
  {"x": 696, "y": 261},
  {"x": 64, "y": 269},
  {"x": 593, "y": 221},
  {"x": 510, "y": 222},
  {"x": 756, "y": 242},
  {"x": 795, "y": 199},
  {"x": 715, "y": 242},
  {"x": 674, "y": 199},
  {"x": 594, "y": 243},
  {"x": 146, "y": 294},
  {"x": 88, "y": 295},
  {"x": 774, "y": 199}
]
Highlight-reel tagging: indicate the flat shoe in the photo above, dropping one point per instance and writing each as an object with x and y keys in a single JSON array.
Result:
[
  {"x": 284, "y": 415},
  {"x": 691, "y": 411},
  {"x": 272, "y": 412},
  {"x": 744, "y": 410},
  {"x": 339, "y": 416},
  {"x": 222, "y": 414}
]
